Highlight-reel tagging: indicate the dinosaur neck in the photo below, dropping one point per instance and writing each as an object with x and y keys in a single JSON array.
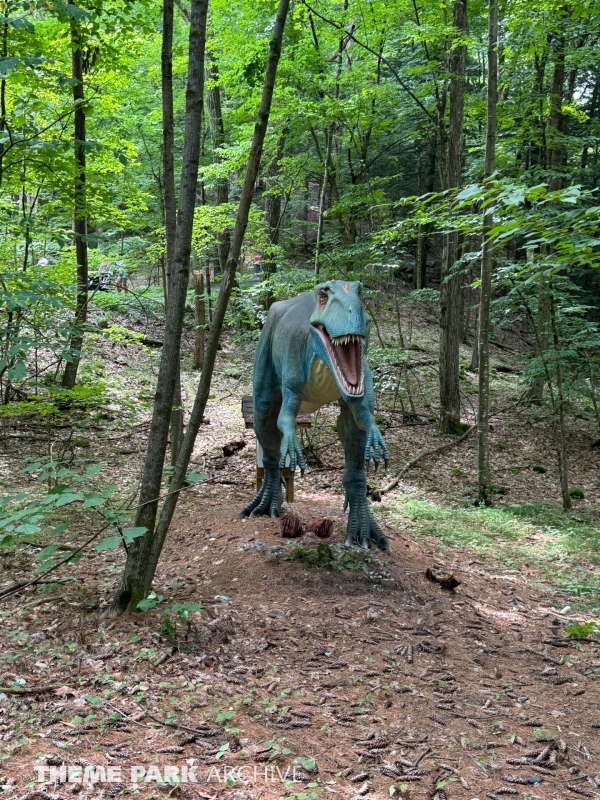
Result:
[{"x": 321, "y": 387}]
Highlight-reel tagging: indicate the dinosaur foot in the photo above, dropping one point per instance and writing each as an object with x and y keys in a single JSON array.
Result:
[
  {"x": 268, "y": 500},
  {"x": 362, "y": 528}
]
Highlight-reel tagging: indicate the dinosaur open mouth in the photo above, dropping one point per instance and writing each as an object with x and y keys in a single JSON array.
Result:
[{"x": 346, "y": 354}]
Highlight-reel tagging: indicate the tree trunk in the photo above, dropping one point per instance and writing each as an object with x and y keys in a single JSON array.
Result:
[
  {"x": 322, "y": 197},
  {"x": 79, "y": 206},
  {"x": 227, "y": 283},
  {"x": 273, "y": 217},
  {"x": 483, "y": 411},
  {"x": 7, "y": 11},
  {"x": 555, "y": 149},
  {"x": 425, "y": 230},
  {"x": 200, "y": 319},
  {"x": 450, "y": 305},
  {"x": 560, "y": 431},
  {"x": 555, "y": 155},
  {"x": 170, "y": 202},
  {"x": 136, "y": 581},
  {"x": 217, "y": 135}
]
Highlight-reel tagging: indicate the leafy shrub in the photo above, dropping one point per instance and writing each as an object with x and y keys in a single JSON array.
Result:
[{"x": 580, "y": 630}]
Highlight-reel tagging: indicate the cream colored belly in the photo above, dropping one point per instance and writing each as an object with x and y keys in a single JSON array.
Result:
[{"x": 320, "y": 389}]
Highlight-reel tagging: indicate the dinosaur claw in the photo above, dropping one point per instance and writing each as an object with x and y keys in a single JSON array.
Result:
[
  {"x": 367, "y": 465},
  {"x": 376, "y": 466},
  {"x": 386, "y": 462},
  {"x": 302, "y": 472}
]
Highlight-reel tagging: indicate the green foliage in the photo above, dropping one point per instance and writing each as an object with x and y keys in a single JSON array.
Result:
[
  {"x": 512, "y": 536},
  {"x": 580, "y": 630},
  {"x": 323, "y": 556},
  {"x": 43, "y": 512},
  {"x": 577, "y": 493}
]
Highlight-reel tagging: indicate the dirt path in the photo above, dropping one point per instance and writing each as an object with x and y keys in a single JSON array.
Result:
[{"x": 385, "y": 688}]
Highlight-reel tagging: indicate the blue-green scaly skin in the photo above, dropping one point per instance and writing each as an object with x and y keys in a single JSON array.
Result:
[{"x": 288, "y": 345}]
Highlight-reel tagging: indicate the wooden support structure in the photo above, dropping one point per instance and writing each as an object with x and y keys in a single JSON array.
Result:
[{"x": 302, "y": 421}]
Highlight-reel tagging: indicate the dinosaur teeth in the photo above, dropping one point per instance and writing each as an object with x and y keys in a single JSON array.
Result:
[{"x": 349, "y": 338}]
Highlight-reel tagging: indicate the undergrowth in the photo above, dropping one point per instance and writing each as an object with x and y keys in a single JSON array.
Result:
[
  {"x": 557, "y": 548},
  {"x": 324, "y": 556}
]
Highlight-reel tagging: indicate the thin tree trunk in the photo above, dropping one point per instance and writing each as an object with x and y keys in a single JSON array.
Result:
[
  {"x": 475, "y": 350},
  {"x": 483, "y": 412},
  {"x": 273, "y": 217},
  {"x": 168, "y": 134},
  {"x": 425, "y": 230},
  {"x": 170, "y": 202},
  {"x": 450, "y": 305},
  {"x": 7, "y": 11},
  {"x": 561, "y": 443},
  {"x": 200, "y": 319},
  {"x": 208, "y": 295},
  {"x": 136, "y": 580},
  {"x": 555, "y": 154},
  {"x": 217, "y": 135},
  {"x": 79, "y": 204},
  {"x": 227, "y": 284},
  {"x": 322, "y": 197}
]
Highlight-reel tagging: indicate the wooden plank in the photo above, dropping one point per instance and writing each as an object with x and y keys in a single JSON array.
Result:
[{"x": 302, "y": 420}]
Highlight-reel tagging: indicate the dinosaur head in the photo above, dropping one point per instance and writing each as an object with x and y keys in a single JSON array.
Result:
[{"x": 340, "y": 333}]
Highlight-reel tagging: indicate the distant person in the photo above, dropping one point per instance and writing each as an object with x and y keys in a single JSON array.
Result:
[
  {"x": 104, "y": 276},
  {"x": 42, "y": 262},
  {"x": 257, "y": 264},
  {"x": 122, "y": 282}
]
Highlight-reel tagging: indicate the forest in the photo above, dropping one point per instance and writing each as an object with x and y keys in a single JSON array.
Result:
[{"x": 168, "y": 173}]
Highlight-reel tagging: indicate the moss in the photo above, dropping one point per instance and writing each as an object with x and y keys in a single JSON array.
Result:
[
  {"x": 578, "y": 493},
  {"x": 540, "y": 469}
]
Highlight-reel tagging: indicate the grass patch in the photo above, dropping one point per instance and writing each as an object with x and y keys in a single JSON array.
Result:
[{"x": 564, "y": 552}]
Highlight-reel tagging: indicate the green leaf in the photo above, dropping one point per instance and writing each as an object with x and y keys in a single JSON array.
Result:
[
  {"x": 111, "y": 543},
  {"x": 196, "y": 477},
  {"x": 133, "y": 533},
  {"x": 67, "y": 499},
  {"x": 60, "y": 528},
  {"x": 149, "y": 602},
  {"x": 222, "y": 750},
  {"x": 95, "y": 701},
  {"x": 93, "y": 500}
]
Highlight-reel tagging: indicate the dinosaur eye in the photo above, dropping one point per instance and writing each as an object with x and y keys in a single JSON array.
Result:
[{"x": 323, "y": 295}]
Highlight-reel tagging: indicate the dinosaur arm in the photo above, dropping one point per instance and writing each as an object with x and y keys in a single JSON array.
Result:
[{"x": 292, "y": 391}]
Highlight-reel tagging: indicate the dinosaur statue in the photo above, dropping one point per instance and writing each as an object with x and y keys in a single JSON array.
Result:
[{"x": 311, "y": 352}]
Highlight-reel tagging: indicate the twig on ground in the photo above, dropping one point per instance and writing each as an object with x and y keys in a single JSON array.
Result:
[
  {"x": 423, "y": 454},
  {"x": 29, "y": 689}
]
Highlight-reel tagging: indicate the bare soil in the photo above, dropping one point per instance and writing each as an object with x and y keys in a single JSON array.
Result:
[{"x": 491, "y": 694}]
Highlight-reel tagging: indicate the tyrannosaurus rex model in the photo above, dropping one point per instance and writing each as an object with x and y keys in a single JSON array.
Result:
[{"x": 311, "y": 352}]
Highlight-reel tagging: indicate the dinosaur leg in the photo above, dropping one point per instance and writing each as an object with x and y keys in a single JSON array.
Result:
[
  {"x": 362, "y": 528},
  {"x": 269, "y": 498}
]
